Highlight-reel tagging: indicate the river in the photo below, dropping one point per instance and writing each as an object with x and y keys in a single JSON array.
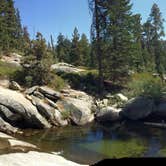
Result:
[{"x": 91, "y": 143}]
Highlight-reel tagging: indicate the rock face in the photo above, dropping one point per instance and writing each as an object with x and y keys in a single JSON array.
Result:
[
  {"x": 42, "y": 107},
  {"x": 138, "y": 108},
  {"x": 34, "y": 159},
  {"x": 7, "y": 128},
  {"x": 50, "y": 113},
  {"x": 13, "y": 58},
  {"x": 14, "y": 86},
  {"x": 122, "y": 97},
  {"x": 18, "y": 104},
  {"x": 79, "y": 111},
  {"x": 49, "y": 93},
  {"x": 108, "y": 114},
  {"x": 9, "y": 116},
  {"x": 66, "y": 68},
  {"x": 161, "y": 109}
]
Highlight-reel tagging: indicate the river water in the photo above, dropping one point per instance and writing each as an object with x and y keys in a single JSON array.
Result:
[{"x": 94, "y": 142}]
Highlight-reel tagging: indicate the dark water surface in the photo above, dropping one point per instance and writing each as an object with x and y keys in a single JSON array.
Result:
[{"x": 91, "y": 143}]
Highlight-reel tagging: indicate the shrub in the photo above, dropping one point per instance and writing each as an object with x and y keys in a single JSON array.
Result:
[
  {"x": 7, "y": 70},
  {"x": 144, "y": 84},
  {"x": 86, "y": 81},
  {"x": 56, "y": 82}
]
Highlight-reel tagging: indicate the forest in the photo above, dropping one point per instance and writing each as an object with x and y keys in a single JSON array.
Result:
[
  {"x": 83, "y": 98},
  {"x": 120, "y": 43}
]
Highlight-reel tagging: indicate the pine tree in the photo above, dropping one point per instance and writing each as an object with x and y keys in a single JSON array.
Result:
[
  {"x": 97, "y": 35},
  {"x": 26, "y": 40},
  {"x": 119, "y": 34},
  {"x": 11, "y": 37},
  {"x": 63, "y": 49},
  {"x": 3, "y": 25},
  {"x": 36, "y": 66},
  {"x": 157, "y": 31},
  {"x": 11, "y": 23},
  {"x": 18, "y": 32},
  {"x": 137, "y": 60},
  {"x": 84, "y": 51},
  {"x": 75, "y": 49}
]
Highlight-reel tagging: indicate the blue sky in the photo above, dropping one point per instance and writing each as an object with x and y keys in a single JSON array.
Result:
[{"x": 55, "y": 16}]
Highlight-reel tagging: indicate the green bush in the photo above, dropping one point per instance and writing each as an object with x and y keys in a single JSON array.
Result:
[
  {"x": 86, "y": 81},
  {"x": 7, "y": 70},
  {"x": 56, "y": 82},
  {"x": 145, "y": 84}
]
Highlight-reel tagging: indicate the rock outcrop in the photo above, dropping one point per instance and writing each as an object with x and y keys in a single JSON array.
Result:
[
  {"x": 108, "y": 114},
  {"x": 12, "y": 58},
  {"x": 66, "y": 68},
  {"x": 15, "y": 86},
  {"x": 33, "y": 158},
  {"x": 138, "y": 108},
  {"x": 79, "y": 111},
  {"x": 19, "y": 105},
  {"x": 43, "y": 107}
]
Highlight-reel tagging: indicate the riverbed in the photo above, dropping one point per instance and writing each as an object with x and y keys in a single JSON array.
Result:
[{"x": 91, "y": 143}]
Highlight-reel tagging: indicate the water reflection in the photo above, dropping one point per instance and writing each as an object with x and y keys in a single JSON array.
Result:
[{"x": 91, "y": 143}]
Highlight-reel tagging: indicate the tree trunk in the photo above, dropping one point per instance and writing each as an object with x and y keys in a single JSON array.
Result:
[{"x": 99, "y": 56}]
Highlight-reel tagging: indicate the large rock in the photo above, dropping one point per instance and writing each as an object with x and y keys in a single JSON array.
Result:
[
  {"x": 50, "y": 113},
  {"x": 108, "y": 114},
  {"x": 18, "y": 104},
  {"x": 66, "y": 68},
  {"x": 138, "y": 108},
  {"x": 21, "y": 145},
  {"x": 161, "y": 109},
  {"x": 7, "y": 128},
  {"x": 122, "y": 97},
  {"x": 31, "y": 90},
  {"x": 78, "y": 110},
  {"x": 34, "y": 159},
  {"x": 14, "y": 86},
  {"x": 5, "y": 136},
  {"x": 8, "y": 115},
  {"x": 12, "y": 58},
  {"x": 49, "y": 93}
]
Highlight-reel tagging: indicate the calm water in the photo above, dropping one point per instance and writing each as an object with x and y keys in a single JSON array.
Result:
[{"x": 89, "y": 144}]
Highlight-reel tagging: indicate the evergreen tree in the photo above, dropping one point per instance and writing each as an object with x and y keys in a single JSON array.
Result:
[
  {"x": 63, "y": 48},
  {"x": 137, "y": 60},
  {"x": 11, "y": 23},
  {"x": 84, "y": 51},
  {"x": 11, "y": 35},
  {"x": 3, "y": 25},
  {"x": 75, "y": 49},
  {"x": 53, "y": 49},
  {"x": 157, "y": 31},
  {"x": 97, "y": 35},
  {"x": 36, "y": 65},
  {"x": 19, "y": 31}
]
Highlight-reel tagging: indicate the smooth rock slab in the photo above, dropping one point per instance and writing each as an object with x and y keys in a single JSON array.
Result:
[
  {"x": 15, "y": 143},
  {"x": 17, "y": 103},
  {"x": 3, "y": 135},
  {"x": 34, "y": 159},
  {"x": 79, "y": 111}
]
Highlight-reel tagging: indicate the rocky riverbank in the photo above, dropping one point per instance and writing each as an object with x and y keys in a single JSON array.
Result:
[
  {"x": 22, "y": 153},
  {"x": 42, "y": 107}
]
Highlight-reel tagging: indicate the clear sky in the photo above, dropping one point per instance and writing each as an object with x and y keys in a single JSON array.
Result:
[{"x": 55, "y": 16}]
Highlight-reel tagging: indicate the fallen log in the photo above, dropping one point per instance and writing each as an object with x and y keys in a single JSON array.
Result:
[{"x": 158, "y": 125}]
